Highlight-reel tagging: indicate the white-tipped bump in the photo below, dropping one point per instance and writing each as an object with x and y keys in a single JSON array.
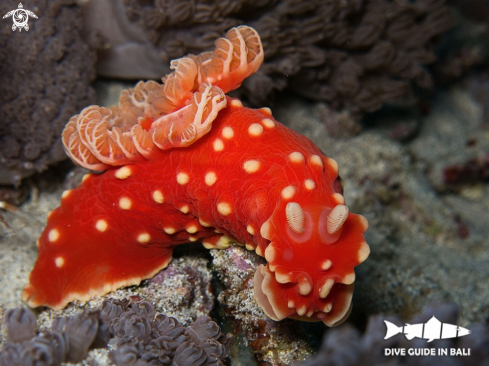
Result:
[
  {"x": 192, "y": 238},
  {"x": 66, "y": 193},
  {"x": 266, "y": 111},
  {"x": 333, "y": 165},
  {"x": 251, "y": 166},
  {"x": 144, "y": 238},
  {"x": 288, "y": 192},
  {"x": 184, "y": 209},
  {"x": 295, "y": 216},
  {"x": 305, "y": 286},
  {"x": 296, "y": 157},
  {"x": 101, "y": 225},
  {"x": 227, "y": 133},
  {"x": 125, "y": 203},
  {"x": 326, "y": 288},
  {"x": 255, "y": 130},
  {"x": 301, "y": 310},
  {"x": 182, "y": 178},
  {"x": 249, "y": 247},
  {"x": 349, "y": 279},
  {"x": 325, "y": 265},
  {"x": 208, "y": 245},
  {"x": 59, "y": 262},
  {"x": 123, "y": 173},
  {"x": 363, "y": 252},
  {"x": 282, "y": 277},
  {"x": 53, "y": 235},
  {"x": 259, "y": 251},
  {"x": 192, "y": 229},
  {"x": 309, "y": 313},
  {"x": 224, "y": 208},
  {"x": 268, "y": 123},
  {"x": 210, "y": 178},
  {"x": 364, "y": 222},
  {"x": 270, "y": 253},
  {"x": 309, "y": 184},
  {"x": 291, "y": 304},
  {"x": 86, "y": 176},
  {"x": 236, "y": 103},
  {"x": 250, "y": 229},
  {"x": 204, "y": 223},
  {"x": 218, "y": 145},
  {"x": 337, "y": 218},
  {"x": 327, "y": 308},
  {"x": 265, "y": 230},
  {"x": 223, "y": 243},
  {"x": 339, "y": 199},
  {"x": 316, "y": 161},
  {"x": 169, "y": 230},
  {"x": 158, "y": 196}
]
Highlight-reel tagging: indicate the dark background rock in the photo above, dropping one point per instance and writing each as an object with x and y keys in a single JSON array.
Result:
[{"x": 46, "y": 74}]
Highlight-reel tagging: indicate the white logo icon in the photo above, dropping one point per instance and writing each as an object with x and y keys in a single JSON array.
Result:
[
  {"x": 432, "y": 329},
  {"x": 20, "y": 17}
]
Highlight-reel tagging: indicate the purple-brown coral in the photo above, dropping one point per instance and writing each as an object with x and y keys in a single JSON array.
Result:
[
  {"x": 45, "y": 75},
  {"x": 138, "y": 335},
  {"x": 356, "y": 54},
  {"x": 67, "y": 341}
]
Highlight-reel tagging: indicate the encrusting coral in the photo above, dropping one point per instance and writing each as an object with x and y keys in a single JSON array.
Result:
[
  {"x": 45, "y": 75},
  {"x": 356, "y": 54},
  {"x": 136, "y": 335}
]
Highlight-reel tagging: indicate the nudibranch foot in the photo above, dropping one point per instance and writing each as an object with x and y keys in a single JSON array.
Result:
[{"x": 97, "y": 248}]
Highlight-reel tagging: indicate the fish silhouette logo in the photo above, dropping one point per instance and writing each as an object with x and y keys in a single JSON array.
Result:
[
  {"x": 432, "y": 329},
  {"x": 20, "y": 18}
]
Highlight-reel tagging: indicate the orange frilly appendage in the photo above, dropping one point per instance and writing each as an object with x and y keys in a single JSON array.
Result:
[
  {"x": 174, "y": 114},
  {"x": 236, "y": 57},
  {"x": 187, "y": 125}
]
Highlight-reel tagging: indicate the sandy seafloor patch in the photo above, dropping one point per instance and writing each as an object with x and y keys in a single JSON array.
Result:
[{"x": 427, "y": 242}]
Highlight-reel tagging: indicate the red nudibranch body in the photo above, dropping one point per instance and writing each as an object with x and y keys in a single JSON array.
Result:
[{"x": 186, "y": 163}]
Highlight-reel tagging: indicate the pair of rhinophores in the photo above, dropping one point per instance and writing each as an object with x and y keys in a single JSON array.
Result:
[{"x": 184, "y": 162}]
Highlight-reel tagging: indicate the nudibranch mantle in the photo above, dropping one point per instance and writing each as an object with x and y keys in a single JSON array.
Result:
[{"x": 186, "y": 163}]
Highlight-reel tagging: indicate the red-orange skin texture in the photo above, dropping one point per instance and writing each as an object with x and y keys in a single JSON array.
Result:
[{"x": 93, "y": 259}]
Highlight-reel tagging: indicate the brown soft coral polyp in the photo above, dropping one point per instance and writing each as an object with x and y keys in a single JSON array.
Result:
[
  {"x": 45, "y": 78},
  {"x": 355, "y": 54}
]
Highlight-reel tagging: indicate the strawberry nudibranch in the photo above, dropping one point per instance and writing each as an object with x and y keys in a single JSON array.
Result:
[{"x": 184, "y": 162}]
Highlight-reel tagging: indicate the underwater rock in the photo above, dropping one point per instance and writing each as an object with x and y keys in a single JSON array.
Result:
[{"x": 277, "y": 343}]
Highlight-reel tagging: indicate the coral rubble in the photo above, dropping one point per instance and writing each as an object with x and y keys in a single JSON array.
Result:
[{"x": 274, "y": 343}]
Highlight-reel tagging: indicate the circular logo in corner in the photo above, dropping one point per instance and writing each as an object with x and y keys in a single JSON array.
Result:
[{"x": 20, "y": 17}]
